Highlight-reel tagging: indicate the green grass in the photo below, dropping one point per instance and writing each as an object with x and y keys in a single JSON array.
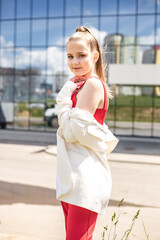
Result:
[{"x": 127, "y": 110}]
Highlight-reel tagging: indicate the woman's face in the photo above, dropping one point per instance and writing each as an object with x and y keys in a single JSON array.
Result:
[{"x": 81, "y": 60}]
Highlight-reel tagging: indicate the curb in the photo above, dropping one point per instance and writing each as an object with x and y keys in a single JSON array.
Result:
[{"x": 119, "y": 157}]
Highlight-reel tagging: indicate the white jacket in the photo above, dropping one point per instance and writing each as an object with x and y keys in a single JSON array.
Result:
[{"x": 83, "y": 174}]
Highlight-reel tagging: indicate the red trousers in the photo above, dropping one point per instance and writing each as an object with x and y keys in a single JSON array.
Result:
[{"x": 79, "y": 222}]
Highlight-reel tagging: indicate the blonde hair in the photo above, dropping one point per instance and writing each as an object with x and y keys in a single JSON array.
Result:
[{"x": 85, "y": 34}]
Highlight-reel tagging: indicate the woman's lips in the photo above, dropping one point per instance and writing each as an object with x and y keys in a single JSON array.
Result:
[{"x": 77, "y": 68}]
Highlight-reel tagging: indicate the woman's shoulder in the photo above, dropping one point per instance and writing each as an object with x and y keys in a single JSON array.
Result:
[{"x": 94, "y": 83}]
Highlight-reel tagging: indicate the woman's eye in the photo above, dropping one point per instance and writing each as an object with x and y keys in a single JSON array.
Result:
[
  {"x": 82, "y": 55},
  {"x": 70, "y": 57}
]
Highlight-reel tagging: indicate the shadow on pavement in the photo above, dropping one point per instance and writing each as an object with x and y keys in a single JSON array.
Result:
[
  {"x": 22, "y": 193},
  {"x": 11, "y": 193}
]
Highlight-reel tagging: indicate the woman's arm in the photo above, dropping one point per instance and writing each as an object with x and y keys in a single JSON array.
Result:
[
  {"x": 80, "y": 125},
  {"x": 90, "y": 96}
]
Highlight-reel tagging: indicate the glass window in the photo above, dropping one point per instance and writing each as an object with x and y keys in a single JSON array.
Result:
[
  {"x": 55, "y": 8},
  {"x": 158, "y": 31},
  {"x": 127, "y": 29},
  {"x": 90, "y": 8},
  {"x": 55, "y": 60},
  {"x": 146, "y": 55},
  {"x": 156, "y": 111},
  {"x": 71, "y": 25},
  {"x": 55, "y": 32},
  {"x": 22, "y": 58},
  {"x": 73, "y": 8},
  {"x": 23, "y": 33},
  {"x": 158, "y": 5},
  {"x": 22, "y": 88},
  {"x": 7, "y": 32},
  {"x": 146, "y": 29},
  {"x": 127, "y": 6},
  {"x": 127, "y": 54},
  {"x": 6, "y": 81},
  {"x": 8, "y": 9},
  {"x": 39, "y": 8},
  {"x": 39, "y": 32},
  {"x": 23, "y": 8},
  {"x": 108, "y": 7},
  {"x": 92, "y": 23},
  {"x": 7, "y": 58},
  {"x": 108, "y": 24},
  {"x": 38, "y": 60},
  {"x": 123, "y": 102},
  {"x": 146, "y": 6},
  {"x": 143, "y": 111}
]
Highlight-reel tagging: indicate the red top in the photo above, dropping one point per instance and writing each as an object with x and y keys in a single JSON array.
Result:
[{"x": 99, "y": 114}]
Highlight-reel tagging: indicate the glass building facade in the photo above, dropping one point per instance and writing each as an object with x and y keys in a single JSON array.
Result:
[{"x": 33, "y": 61}]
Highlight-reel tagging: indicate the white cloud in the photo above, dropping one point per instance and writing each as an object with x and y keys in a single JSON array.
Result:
[
  {"x": 149, "y": 40},
  {"x": 56, "y": 57},
  {"x": 158, "y": 2},
  {"x": 100, "y": 35},
  {"x": 38, "y": 58}
]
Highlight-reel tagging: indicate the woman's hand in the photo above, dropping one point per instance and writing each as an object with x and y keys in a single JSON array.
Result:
[{"x": 78, "y": 80}]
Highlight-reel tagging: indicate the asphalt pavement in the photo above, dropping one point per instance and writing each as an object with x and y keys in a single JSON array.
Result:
[{"x": 28, "y": 206}]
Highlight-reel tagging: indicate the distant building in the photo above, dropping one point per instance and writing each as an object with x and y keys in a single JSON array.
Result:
[
  {"x": 149, "y": 55},
  {"x": 112, "y": 44},
  {"x": 129, "y": 53},
  {"x": 152, "y": 55},
  {"x": 60, "y": 79},
  {"x": 26, "y": 82}
]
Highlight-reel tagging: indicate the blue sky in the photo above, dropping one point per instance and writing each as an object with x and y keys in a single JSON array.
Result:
[{"x": 54, "y": 37}]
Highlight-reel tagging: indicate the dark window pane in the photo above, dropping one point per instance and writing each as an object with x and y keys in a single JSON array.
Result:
[
  {"x": 90, "y": 8},
  {"x": 55, "y": 31},
  {"x": 146, "y": 29},
  {"x": 127, "y": 29},
  {"x": 127, "y": 6},
  {"x": 146, "y": 6},
  {"x": 55, "y": 8},
  {"x": 108, "y": 7},
  {"x": 39, "y": 33},
  {"x": 8, "y": 9},
  {"x": 23, "y": 8},
  {"x": 39, "y": 8},
  {"x": 73, "y": 7},
  {"x": 23, "y": 33},
  {"x": 7, "y": 32}
]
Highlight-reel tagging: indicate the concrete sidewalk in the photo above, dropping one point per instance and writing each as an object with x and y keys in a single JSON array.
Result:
[{"x": 30, "y": 211}]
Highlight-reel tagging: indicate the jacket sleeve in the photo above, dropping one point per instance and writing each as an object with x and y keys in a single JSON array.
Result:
[{"x": 79, "y": 125}]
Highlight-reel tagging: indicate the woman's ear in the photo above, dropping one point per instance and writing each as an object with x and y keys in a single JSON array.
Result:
[{"x": 96, "y": 56}]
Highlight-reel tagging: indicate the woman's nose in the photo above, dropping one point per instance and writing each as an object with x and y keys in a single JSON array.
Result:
[{"x": 75, "y": 61}]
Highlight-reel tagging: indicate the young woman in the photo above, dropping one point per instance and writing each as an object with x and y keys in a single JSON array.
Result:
[{"x": 83, "y": 139}]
